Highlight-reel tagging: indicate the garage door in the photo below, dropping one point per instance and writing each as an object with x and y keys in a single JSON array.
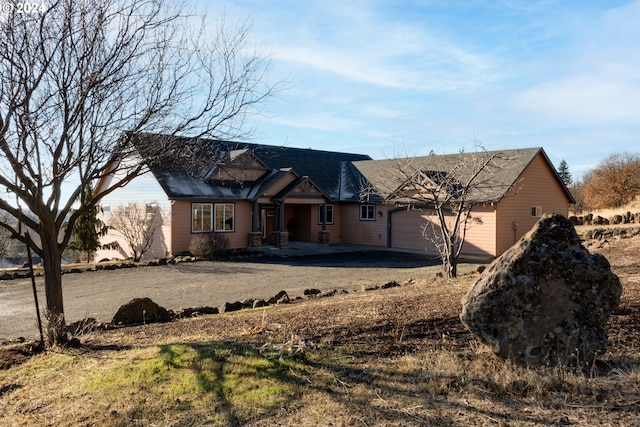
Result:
[{"x": 406, "y": 230}]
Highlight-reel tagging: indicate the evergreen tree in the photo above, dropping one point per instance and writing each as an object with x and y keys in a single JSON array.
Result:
[
  {"x": 563, "y": 172},
  {"x": 88, "y": 229}
]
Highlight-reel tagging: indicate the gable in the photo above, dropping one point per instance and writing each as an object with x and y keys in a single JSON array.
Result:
[
  {"x": 241, "y": 166},
  {"x": 302, "y": 190},
  {"x": 391, "y": 176}
]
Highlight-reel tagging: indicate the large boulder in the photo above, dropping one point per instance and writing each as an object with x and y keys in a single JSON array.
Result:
[
  {"x": 141, "y": 310},
  {"x": 546, "y": 300}
]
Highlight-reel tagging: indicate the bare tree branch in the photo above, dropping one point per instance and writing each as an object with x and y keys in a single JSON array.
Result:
[
  {"x": 447, "y": 188},
  {"x": 80, "y": 81}
]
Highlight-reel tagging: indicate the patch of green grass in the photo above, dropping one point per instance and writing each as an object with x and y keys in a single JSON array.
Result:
[{"x": 237, "y": 381}]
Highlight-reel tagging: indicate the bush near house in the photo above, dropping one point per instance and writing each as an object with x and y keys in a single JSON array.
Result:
[{"x": 208, "y": 245}]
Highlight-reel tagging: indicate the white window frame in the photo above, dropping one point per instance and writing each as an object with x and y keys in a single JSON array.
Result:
[
  {"x": 330, "y": 211},
  {"x": 199, "y": 208},
  {"x": 224, "y": 209},
  {"x": 369, "y": 212}
]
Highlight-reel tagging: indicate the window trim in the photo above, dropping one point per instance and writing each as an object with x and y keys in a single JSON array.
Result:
[
  {"x": 329, "y": 215},
  {"x": 536, "y": 211},
  {"x": 202, "y": 225},
  {"x": 370, "y": 212},
  {"x": 224, "y": 210}
]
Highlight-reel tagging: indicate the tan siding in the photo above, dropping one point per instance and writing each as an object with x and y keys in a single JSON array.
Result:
[
  {"x": 181, "y": 225},
  {"x": 481, "y": 231},
  {"x": 240, "y": 237},
  {"x": 537, "y": 187},
  {"x": 316, "y": 227},
  {"x": 355, "y": 231}
]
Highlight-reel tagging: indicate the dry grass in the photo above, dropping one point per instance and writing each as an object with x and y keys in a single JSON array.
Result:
[
  {"x": 393, "y": 357},
  {"x": 633, "y": 207}
]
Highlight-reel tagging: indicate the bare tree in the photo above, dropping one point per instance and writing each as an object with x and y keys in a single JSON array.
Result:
[
  {"x": 447, "y": 188},
  {"x": 5, "y": 235},
  {"x": 80, "y": 80},
  {"x": 137, "y": 224}
]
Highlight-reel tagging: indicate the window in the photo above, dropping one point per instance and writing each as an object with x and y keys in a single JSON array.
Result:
[
  {"x": 536, "y": 211},
  {"x": 151, "y": 208},
  {"x": 223, "y": 217},
  {"x": 367, "y": 212},
  {"x": 329, "y": 214},
  {"x": 201, "y": 217}
]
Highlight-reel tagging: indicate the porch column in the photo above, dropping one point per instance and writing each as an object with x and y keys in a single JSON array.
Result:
[
  {"x": 275, "y": 232},
  {"x": 255, "y": 211},
  {"x": 282, "y": 235},
  {"x": 276, "y": 217},
  {"x": 281, "y": 217},
  {"x": 255, "y": 237},
  {"x": 323, "y": 235}
]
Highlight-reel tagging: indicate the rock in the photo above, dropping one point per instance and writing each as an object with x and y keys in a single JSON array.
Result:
[
  {"x": 80, "y": 327},
  {"x": 260, "y": 303},
  {"x": 576, "y": 220},
  {"x": 247, "y": 303},
  {"x": 141, "y": 310},
  {"x": 228, "y": 307},
  {"x": 392, "y": 284},
  {"x": 329, "y": 293},
  {"x": 588, "y": 219},
  {"x": 197, "y": 311},
  {"x": 280, "y": 298},
  {"x": 546, "y": 300},
  {"x": 310, "y": 293}
]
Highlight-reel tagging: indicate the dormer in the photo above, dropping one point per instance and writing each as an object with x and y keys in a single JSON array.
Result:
[{"x": 238, "y": 166}]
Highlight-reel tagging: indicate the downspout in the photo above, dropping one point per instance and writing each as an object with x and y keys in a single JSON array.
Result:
[{"x": 281, "y": 216}]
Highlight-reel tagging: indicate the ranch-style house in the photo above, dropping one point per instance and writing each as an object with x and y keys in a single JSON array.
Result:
[{"x": 256, "y": 195}]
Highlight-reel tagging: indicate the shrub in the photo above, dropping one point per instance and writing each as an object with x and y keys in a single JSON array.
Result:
[{"x": 208, "y": 245}]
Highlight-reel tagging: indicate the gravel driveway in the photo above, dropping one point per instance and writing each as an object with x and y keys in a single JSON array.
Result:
[{"x": 99, "y": 294}]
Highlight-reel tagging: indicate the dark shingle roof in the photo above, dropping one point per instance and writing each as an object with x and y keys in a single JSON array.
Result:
[
  {"x": 182, "y": 178},
  {"x": 340, "y": 176},
  {"x": 501, "y": 174}
]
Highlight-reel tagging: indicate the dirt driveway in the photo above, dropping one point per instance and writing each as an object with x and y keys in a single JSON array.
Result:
[{"x": 99, "y": 294}]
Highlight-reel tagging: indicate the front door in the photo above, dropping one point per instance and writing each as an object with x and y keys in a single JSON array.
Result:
[{"x": 266, "y": 222}]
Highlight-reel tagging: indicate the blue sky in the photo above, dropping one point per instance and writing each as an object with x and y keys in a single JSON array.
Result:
[{"x": 396, "y": 78}]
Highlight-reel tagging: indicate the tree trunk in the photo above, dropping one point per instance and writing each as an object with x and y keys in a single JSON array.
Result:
[
  {"x": 453, "y": 266},
  {"x": 450, "y": 263},
  {"x": 51, "y": 262}
]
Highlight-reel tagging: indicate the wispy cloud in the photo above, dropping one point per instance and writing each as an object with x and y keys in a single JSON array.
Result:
[{"x": 440, "y": 74}]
